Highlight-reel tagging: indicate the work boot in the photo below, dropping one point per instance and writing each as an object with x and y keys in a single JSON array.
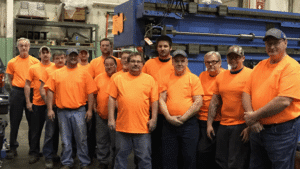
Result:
[
  {"x": 11, "y": 154},
  {"x": 48, "y": 164},
  {"x": 33, "y": 159}
]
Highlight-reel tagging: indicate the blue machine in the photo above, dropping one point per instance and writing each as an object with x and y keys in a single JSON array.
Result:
[{"x": 198, "y": 28}]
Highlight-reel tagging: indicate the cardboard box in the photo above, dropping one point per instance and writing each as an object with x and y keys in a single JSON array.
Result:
[
  {"x": 34, "y": 9},
  {"x": 79, "y": 15}
]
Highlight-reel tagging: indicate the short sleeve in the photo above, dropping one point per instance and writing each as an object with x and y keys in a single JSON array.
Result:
[
  {"x": 44, "y": 76},
  {"x": 247, "y": 88},
  {"x": 50, "y": 84},
  {"x": 215, "y": 87},
  {"x": 10, "y": 68},
  {"x": 112, "y": 90},
  {"x": 91, "y": 69},
  {"x": 196, "y": 86},
  {"x": 289, "y": 83},
  {"x": 90, "y": 84},
  {"x": 154, "y": 91},
  {"x": 30, "y": 74},
  {"x": 119, "y": 65}
]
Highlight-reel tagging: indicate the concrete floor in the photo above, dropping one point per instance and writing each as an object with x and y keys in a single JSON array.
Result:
[{"x": 21, "y": 161}]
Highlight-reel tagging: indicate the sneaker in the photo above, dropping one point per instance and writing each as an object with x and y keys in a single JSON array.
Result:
[
  {"x": 11, "y": 154},
  {"x": 48, "y": 164},
  {"x": 33, "y": 159},
  {"x": 65, "y": 167}
]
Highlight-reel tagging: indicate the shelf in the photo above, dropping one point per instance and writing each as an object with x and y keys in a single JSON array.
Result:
[{"x": 63, "y": 47}]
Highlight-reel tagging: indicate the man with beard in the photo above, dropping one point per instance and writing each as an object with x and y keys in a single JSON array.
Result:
[
  {"x": 206, "y": 150},
  {"x": 232, "y": 146},
  {"x": 17, "y": 70},
  {"x": 97, "y": 65},
  {"x": 51, "y": 128},
  {"x": 105, "y": 136},
  {"x": 37, "y": 107},
  {"x": 70, "y": 98},
  {"x": 135, "y": 92},
  {"x": 272, "y": 106}
]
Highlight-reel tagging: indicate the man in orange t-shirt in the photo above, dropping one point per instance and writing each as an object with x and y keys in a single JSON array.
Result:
[
  {"x": 232, "y": 146},
  {"x": 206, "y": 150},
  {"x": 272, "y": 106},
  {"x": 70, "y": 98},
  {"x": 37, "y": 106},
  {"x": 83, "y": 60},
  {"x": 180, "y": 100},
  {"x": 17, "y": 70},
  {"x": 135, "y": 92},
  {"x": 105, "y": 139},
  {"x": 97, "y": 65},
  {"x": 51, "y": 127}
]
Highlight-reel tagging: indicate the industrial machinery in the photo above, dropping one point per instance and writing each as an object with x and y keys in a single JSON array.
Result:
[{"x": 199, "y": 28}]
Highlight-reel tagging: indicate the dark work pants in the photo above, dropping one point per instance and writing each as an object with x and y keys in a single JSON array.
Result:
[
  {"x": 186, "y": 134},
  {"x": 206, "y": 150},
  {"x": 37, "y": 123},
  {"x": 231, "y": 152},
  {"x": 156, "y": 143},
  {"x": 17, "y": 104}
]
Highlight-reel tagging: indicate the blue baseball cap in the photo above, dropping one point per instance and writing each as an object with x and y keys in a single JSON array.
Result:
[
  {"x": 276, "y": 33},
  {"x": 72, "y": 50},
  {"x": 179, "y": 52}
]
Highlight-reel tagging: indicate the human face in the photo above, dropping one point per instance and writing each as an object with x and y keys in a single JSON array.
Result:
[
  {"x": 110, "y": 67},
  {"x": 45, "y": 55},
  {"x": 180, "y": 63},
  {"x": 59, "y": 60},
  {"x": 72, "y": 59},
  {"x": 135, "y": 65},
  {"x": 163, "y": 49},
  {"x": 105, "y": 47},
  {"x": 235, "y": 61},
  {"x": 83, "y": 56},
  {"x": 124, "y": 62},
  {"x": 213, "y": 64},
  {"x": 23, "y": 48},
  {"x": 275, "y": 47}
]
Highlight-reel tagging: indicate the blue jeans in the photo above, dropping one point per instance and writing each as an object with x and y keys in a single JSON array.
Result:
[
  {"x": 141, "y": 144},
  {"x": 51, "y": 137},
  {"x": 275, "y": 146},
  {"x": 182, "y": 139},
  {"x": 73, "y": 121}
]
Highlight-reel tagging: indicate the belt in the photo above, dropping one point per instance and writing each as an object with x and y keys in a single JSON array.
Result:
[
  {"x": 274, "y": 125},
  {"x": 18, "y": 88},
  {"x": 69, "y": 109}
]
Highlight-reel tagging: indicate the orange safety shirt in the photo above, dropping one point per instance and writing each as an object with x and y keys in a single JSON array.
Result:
[{"x": 97, "y": 66}]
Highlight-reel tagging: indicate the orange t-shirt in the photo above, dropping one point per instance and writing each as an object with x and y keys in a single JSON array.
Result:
[
  {"x": 102, "y": 82},
  {"x": 207, "y": 83},
  {"x": 134, "y": 94},
  {"x": 271, "y": 80},
  {"x": 85, "y": 67},
  {"x": 19, "y": 68},
  {"x": 230, "y": 88},
  {"x": 97, "y": 66},
  {"x": 71, "y": 87},
  {"x": 35, "y": 72},
  {"x": 180, "y": 92}
]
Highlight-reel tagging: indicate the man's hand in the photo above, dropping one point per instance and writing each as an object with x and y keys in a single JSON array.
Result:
[
  {"x": 245, "y": 135},
  {"x": 95, "y": 107},
  {"x": 257, "y": 127},
  {"x": 111, "y": 124},
  {"x": 51, "y": 115},
  {"x": 29, "y": 106},
  {"x": 250, "y": 118},
  {"x": 151, "y": 125},
  {"x": 174, "y": 120},
  {"x": 210, "y": 132},
  {"x": 88, "y": 115}
]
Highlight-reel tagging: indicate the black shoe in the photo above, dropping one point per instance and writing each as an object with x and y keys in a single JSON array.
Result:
[
  {"x": 11, "y": 154},
  {"x": 56, "y": 158},
  {"x": 103, "y": 166},
  {"x": 33, "y": 159}
]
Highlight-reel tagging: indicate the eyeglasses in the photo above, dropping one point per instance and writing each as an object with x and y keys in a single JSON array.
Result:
[
  {"x": 111, "y": 65},
  {"x": 136, "y": 61},
  {"x": 213, "y": 62}
]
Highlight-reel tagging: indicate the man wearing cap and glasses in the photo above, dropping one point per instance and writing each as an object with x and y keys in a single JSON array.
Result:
[
  {"x": 180, "y": 99},
  {"x": 17, "y": 70},
  {"x": 206, "y": 150},
  {"x": 37, "y": 107},
  {"x": 272, "y": 106},
  {"x": 70, "y": 98},
  {"x": 232, "y": 146}
]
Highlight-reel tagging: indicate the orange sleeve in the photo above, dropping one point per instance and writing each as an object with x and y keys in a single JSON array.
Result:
[
  {"x": 29, "y": 76},
  {"x": 10, "y": 68},
  {"x": 50, "y": 84},
  {"x": 196, "y": 86},
  {"x": 162, "y": 86},
  {"x": 289, "y": 83},
  {"x": 113, "y": 90},
  {"x": 90, "y": 84},
  {"x": 144, "y": 70},
  {"x": 154, "y": 92},
  {"x": 247, "y": 88},
  {"x": 91, "y": 69},
  {"x": 119, "y": 65},
  {"x": 44, "y": 76},
  {"x": 215, "y": 87},
  {"x": 96, "y": 82}
]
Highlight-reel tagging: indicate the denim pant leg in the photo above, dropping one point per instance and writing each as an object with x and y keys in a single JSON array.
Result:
[
  {"x": 103, "y": 140},
  {"x": 142, "y": 150},
  {"x": 156, "y": 143},
  {"x": 170, "y": 146},
  {"x": 37, "y": 123},
  {"x": 80, "y": 133},
  {"x": 124, "y": 146},
  {"x": 51, "y": 137},
  {"x": 189, "y": 136},
  {"x": 65, "y": 129},
  {"x": 258, "y": 156}
]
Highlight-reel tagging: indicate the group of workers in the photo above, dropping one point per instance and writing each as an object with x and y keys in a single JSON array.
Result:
[{"x": 230, "y": 119}]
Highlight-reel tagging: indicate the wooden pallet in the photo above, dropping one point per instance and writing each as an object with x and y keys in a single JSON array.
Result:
[
  {"x": 32, "y": 17},
  {"x": 39, "y": 42},
  {"x": 77, "y": 44},
  {"x": 74, "y": 20}
]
